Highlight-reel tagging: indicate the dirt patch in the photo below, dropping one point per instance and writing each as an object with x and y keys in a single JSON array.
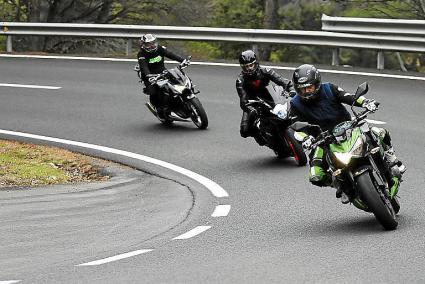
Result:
[{"x": 23, "y": 164}]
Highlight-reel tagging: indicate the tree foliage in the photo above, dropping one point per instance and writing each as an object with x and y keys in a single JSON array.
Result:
[{"x": 254, "y": 14}]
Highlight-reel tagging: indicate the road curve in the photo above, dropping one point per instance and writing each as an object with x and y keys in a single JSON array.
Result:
[{"x": 280, "y": 228}]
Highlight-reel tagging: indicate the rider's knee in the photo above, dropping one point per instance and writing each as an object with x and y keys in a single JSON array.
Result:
[{"x": 319, "y": 177}]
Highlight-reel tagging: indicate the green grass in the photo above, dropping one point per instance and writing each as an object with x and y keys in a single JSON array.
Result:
[{"x": 32, "y": 165}]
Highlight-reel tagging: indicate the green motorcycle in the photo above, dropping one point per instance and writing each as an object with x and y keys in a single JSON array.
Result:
[{"x": 356, "y": 164}]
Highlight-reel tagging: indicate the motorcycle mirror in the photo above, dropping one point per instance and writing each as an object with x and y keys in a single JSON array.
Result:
[
  {"x": 299, "y": 125},
  {"x": 362, "y": 89}
]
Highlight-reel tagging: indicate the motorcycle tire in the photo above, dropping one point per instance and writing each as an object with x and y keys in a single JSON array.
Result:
[
  {"x": 167, "y": 122},
  {"x": 296, "y": 148},
  {"x": 395, "y": 202},
  {"x": 198, "y": 115},
  {"x": 382, "y": 210}
]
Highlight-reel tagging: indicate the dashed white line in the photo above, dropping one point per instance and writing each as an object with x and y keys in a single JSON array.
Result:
[
  {"x": 194, "y": 232},
  {"x": 29, "y": 86},
  {"x": 115, "y": 258},
  {"x": 213, "y": 187},
  {"x": 221, "y": 211},
  {"x": 9, "y": 281}
]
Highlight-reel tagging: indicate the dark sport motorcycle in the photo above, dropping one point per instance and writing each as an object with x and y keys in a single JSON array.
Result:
[
  {"x": 273, "y": 125},
  {"x": 357, "y": 165},
  {"x": 184, "y": 105}
]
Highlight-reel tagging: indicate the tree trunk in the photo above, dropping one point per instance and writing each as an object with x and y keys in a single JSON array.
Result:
[
  {"x": 34, "y": 16},
  {"x": 104, "y": 12},
  {"x": 270, "y": 22}
]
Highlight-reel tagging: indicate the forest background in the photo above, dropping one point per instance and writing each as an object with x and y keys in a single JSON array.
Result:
[{"x": 258, "y": 14}]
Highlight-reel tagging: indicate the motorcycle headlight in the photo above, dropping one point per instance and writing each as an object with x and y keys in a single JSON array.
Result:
[
  {"x": 179, "y": 88},
  {"x": 282, "y": 114},
  {"x": 355, "y": 151},
  {"x": 280, "y": 110}
]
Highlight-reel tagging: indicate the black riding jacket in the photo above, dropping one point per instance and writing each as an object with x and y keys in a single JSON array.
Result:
[
  {"x": 254, "y": 86},
  {"x": 153, "y": 62}
]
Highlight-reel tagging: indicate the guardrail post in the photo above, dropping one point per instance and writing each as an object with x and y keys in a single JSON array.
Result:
[
  {"x": 255, "y": 48},
  {"x": 129, "y": 46},
  {"x": 380, "y": 61},
  {"x": 335, "y": 57},
  {"x": 9, "y": 43}
]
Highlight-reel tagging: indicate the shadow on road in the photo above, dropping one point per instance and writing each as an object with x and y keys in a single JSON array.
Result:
[
  {"x": 157, "y": 128},
  {"x": 269, "y": 162},
  {"x": 364, "y": 225}
]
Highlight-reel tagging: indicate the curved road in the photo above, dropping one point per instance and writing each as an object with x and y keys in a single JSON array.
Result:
[{"x": 280, "y": 229}]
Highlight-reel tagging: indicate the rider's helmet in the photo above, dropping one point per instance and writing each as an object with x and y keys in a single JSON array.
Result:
[
  {"x": 248, "y": 62},
  {"x": 306, "y": 76},
  {"x": 149, "y": 43}
]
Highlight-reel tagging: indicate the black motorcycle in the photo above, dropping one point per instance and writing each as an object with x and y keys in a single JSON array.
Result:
[
  {"x": 356, "y": 164},
  {"x": 184, "y": 105},
  {"x": 273, "y": 125}
]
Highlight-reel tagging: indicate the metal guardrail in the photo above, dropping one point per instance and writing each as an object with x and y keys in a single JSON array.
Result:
[
  {"x": 400, "y": 29},
  {"x": 296, "y": 37}
]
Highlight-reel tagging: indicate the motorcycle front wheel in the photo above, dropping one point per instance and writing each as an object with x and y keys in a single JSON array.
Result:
[
  {"x": 198, "y": 115},
  {"x": 381, "y": 208}
]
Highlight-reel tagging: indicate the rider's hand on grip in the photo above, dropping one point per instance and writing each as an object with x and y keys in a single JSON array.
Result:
[
  {"x": 308, "y": 142},
  {"x": 152, "y": 80},
  {"x": 371, "y": 105},
  {"x": 185, "y": 62},
  {"x": 292, "y": 94}
]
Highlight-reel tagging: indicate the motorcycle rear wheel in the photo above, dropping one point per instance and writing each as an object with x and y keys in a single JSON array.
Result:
[
  {"x": 198, "y": 116},
  {"x": 383, "y": 211}
]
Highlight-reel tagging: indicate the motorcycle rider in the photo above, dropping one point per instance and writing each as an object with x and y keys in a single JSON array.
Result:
[
  {"x": 151, "y": 62},
  {"x": 322, "y": 104},
  {"x": 251, "y": 84}
]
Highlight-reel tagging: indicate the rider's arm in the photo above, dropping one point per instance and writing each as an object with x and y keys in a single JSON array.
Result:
[
  {"x": 144, "y": 67},
  {"x": 243, "y": 96},
  {"x": 279, "y": 80},
  {"x": 171, "y": 55},
  {"x": 346, "y": 97}
]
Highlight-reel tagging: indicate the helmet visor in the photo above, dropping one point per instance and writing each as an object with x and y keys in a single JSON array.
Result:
[
  {"x": 150, "y": 46},
  {"x": 306, "y": 91},
  {"x": 249, "y": 68}
]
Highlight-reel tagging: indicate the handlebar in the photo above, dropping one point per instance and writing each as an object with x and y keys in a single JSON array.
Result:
[
  {"x": 258, "y": 102},
  {"x": 153, "y": 78}
]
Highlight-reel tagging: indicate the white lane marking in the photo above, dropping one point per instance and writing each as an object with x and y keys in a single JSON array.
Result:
[
  {"x": 221, "y": 211},
  {"x": 29, "y": 86},
  {"x": 67, "y": 57},
  {"x": 213, "y": 187},
  {"x": 9, "y": 281},
  {"x": 220, "y": 64},
  {"x": 192, "y": 233},
  {"x": 115, "y": 258}
]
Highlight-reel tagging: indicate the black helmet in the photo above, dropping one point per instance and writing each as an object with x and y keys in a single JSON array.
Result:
[
  {"x": 248, "y": 62},
  {"x": 149, "y": 43},
  {"x": 304, "y": 76}
]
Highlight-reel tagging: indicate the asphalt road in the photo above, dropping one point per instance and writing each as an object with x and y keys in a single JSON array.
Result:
[{"x": 280, "y": 229}]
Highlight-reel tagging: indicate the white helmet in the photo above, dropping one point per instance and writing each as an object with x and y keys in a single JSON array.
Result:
[{"x": 149, "y": 43}]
